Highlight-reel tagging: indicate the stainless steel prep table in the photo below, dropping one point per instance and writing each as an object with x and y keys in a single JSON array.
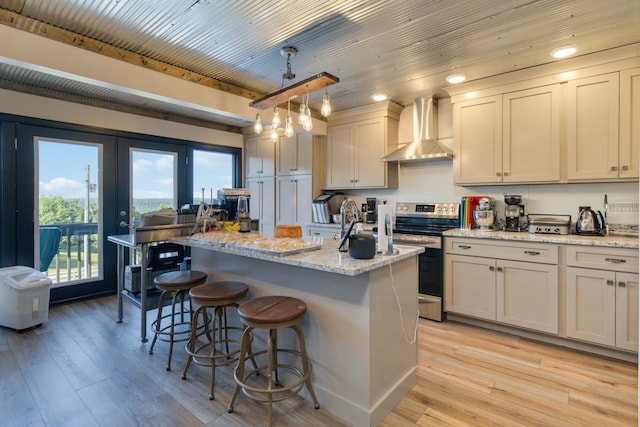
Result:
[{"x": 142, "y": 236}]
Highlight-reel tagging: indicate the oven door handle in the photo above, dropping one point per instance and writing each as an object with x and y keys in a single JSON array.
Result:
[{"x": 426, "y": 299}]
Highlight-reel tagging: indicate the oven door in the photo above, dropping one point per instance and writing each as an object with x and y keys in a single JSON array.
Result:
[{"x": 430, "y": 277}]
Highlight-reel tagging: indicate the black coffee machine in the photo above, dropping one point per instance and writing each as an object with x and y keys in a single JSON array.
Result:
[
  {"x": 372, "y": 211},
  {"x": 512, "y": 212}
]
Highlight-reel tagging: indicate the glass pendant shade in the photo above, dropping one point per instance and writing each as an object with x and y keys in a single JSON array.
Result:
[
  {"x": 288, "y": 127},
  {"x": 274, "y": 134},
  {"x": 302, "y": 116},
  {"x": 275, "y": 122},
  {"x": 257, "y": 126},
  {"x": 326, "y": 105}
]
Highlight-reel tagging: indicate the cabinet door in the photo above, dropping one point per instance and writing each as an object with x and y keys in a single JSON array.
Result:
[
  {"x": 340, "y": 143},
  {"x": 590, "y": 305},
  {"x": 470, "y": 286},
  {"x": 284, "y": 200},
  {"x": 627, "y": 311},
  {"x": 477, "y": 139},
  {"x": 531, "y": 135},
  {"x": 260, "y": 157},
  {"x": 629, "y": 123},
  {"x": 262, "y": 204},
  {"x": 303, "y": 197},
  {"x": 592, "y": 132},
  {"x": 369, "y": 169},
  {"x": 294, "y": 156},
  {"x": 527, "y": 295}
]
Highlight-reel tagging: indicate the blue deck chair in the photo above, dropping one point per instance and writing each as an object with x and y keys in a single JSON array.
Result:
[{"x": 49, "y": 245}]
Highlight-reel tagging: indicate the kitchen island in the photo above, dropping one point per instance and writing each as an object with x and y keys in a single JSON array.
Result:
[{"x": 361, "y": 324}]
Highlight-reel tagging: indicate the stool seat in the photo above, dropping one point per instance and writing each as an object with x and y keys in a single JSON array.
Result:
[
  {"x": 175, "y": 280},
  {"x": 272, "y": 309},
  {"x": 219, "y": 291}
]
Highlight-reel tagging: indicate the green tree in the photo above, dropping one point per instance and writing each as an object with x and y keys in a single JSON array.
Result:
[{"x": 56, "y": 210}]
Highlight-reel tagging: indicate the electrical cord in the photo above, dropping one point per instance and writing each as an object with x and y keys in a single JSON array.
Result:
[{"x": 407, "y": 339}]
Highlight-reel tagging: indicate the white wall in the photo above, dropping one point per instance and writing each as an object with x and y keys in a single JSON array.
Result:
[{"x": 51, "y": 109}]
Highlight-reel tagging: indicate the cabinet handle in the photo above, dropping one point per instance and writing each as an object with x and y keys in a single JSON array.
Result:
[
  {"x": 464, "y": 247},
  {"x": 622, "y": 284},
  {"x": 505, "y": 174},
  {"x": 498, "y": 174},
  {"x": 616, "y": 260},
  {"x": 625, "y": 168},
  {"x": 491, "y": 268},
  {"x": 532, "y": 252},
  {"x": 499, "y": 269},
  {"x": 614, "y": 168},
  {"x": 609, "y": 282}
]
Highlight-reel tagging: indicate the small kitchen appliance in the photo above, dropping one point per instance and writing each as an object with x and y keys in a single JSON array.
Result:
[
  {"x": 484, "y": 215},
  {"x": 512, "y": 212},
  {"x": 326, "y": 205},
  {"x": 590, "y": 222},
  {"x": 549, "y": 224},
  {"x": 232, "y": 199},
  {"x": 243, "y": 215},
  {"x": 372, "y": 214}
]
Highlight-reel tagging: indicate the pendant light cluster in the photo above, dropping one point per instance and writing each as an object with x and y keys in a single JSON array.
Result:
[{"x": 300, "y": 89}]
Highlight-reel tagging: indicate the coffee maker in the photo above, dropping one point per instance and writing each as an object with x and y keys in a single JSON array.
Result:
[
  {"x": 512, "y": 212},
  {"x": 372, "y": 211}
]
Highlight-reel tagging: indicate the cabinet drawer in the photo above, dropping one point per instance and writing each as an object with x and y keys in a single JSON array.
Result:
[
  {"x": 614, "y": 259},
  {"x": 517, "y": 251}
]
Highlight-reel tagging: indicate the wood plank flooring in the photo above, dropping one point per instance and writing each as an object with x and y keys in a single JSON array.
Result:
[{"x": 81, "y": 368}]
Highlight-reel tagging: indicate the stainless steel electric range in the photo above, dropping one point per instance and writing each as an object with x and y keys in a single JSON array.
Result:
[{"x": 422, "y": 224}]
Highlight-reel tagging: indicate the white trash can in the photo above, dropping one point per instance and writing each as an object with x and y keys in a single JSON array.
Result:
[{"x": 24, "y": 297}]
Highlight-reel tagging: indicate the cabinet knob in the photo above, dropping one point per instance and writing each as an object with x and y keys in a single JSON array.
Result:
[
  {"x": 625, "y": 168},
  {"x": 499, "y": 269},
  {"x": 505, "y": 174},
  {"x": 609, "y": 282},
  {"x": 614, "y": 168},
  {"x": 498, "y": 174},
  {"x": 616, "y": 260},
  {"x": 622, "y": 284},
  {"x": 491, "y": 268}
]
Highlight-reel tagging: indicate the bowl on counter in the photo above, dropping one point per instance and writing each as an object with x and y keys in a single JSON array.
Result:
[{"x": 484, "y": 219}]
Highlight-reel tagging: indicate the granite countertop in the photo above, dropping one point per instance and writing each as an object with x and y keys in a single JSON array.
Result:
[
  {"x": 327, "y": 258},
  {"x": 570, "y": 239}
]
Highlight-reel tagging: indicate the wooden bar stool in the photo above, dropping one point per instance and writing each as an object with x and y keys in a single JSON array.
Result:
[
  {"x": 271, "y": 313},
  {"x": 174, "y": 283},
  {"x": 219, "y": 296}
]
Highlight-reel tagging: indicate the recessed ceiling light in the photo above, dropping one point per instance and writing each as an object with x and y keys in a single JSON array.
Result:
[
  {"x": 456, "y": 78},
  {"x": 380, "y": 96},
  {"x": 563, "y": 51}
]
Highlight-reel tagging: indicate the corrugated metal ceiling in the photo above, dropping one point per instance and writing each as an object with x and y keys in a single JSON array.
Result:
[{"x": 402, "y": 47}]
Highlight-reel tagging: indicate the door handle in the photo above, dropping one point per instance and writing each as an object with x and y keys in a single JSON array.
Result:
[
  {"x": 464, "y": 247},
  {"x": 124, "y": 224},
  {"x": 532, "y": 252},
  {"x": 609, "y": 282},
  {"x": 622, "y": 284},
  {"x": 616, "y": 260}
]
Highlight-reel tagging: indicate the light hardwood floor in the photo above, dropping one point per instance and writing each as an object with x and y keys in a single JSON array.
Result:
[{"x": 81, "y": 368}]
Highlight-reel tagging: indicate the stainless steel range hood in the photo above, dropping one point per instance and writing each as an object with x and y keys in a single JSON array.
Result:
[{"x": 424, "y": 146}]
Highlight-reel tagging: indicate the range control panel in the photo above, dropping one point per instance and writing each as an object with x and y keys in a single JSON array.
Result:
[{"x": 428, "y": 210}]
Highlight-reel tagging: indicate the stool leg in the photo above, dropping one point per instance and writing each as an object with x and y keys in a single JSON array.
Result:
[
  {"x": 193, "y": 339},
  {"x": 273, "y": 347},
  {"x": 239, "y": 370},
  {"x": 176, "y": 296},
  {"x": 158, "y": 320},
  {"x": 305, "y": 365},
  {"x": 212, "y": 353},
  {"x": 272, "y": 351}
]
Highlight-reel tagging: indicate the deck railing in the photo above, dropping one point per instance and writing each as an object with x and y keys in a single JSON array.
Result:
[{"x": 76, "y": 247}]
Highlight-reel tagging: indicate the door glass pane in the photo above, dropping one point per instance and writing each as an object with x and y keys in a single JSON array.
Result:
[
  {"x": 212, "y": 171},
  {"x": 153, "y": 182},
  {"x": 68, "y": 199}
]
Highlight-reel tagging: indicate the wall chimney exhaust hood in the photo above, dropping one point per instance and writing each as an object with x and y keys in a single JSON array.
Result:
[{"x": 424, "y": 146}]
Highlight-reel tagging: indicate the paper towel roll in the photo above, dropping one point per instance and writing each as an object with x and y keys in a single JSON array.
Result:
[{"x": 385, "y": 227}]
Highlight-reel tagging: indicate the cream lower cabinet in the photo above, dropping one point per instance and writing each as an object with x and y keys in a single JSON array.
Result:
[
  {"x": 262, "y": 203},
  {"x": 520, "y": 291},
  {"x": 294, "y": 199},
  {"x": 602, "y": 300}
]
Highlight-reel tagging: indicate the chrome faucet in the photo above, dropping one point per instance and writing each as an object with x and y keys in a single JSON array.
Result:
[{"x": 347, "y": 205}]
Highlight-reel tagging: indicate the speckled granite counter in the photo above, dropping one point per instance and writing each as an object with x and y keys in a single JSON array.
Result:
[
  {"x": 328, "y": 258},
  {"x": 571, "y": 239},
  {"x": 357, "y": 311}
]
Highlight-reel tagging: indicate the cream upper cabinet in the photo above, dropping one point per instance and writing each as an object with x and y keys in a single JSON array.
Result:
[
  {"x": 294, "y": 156},
  {"x": 259, "y": 156},
  {"x": 477, "y": 138},
  {"x": 509, "y": 138},
  {"x": 531, "y": 135},
  {"x": 602, "y": 296},
  {"x": 356, "y": 142},
  {"x": 629, "y": 123},
  {"x": 592, "y": 128}
]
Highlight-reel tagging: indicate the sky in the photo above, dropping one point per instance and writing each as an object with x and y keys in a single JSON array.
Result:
[{"x": 63, "y": 171}]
